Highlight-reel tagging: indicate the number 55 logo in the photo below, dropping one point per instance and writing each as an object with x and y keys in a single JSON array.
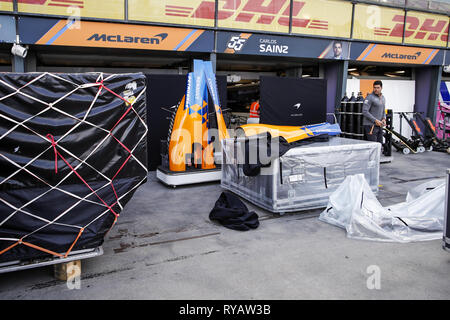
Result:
[{"x": 236, "y": 43}]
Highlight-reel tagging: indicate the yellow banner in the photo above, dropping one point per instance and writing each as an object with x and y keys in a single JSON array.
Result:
[
  {"x": 190, "y": 12},
  {"x": 322, "y": 17},
  {"x": 270, "y": 15},
  {"x": 106, "y": 9},
  {"x": 6, "y": 5},
  {"x": 377, "y": 23},
  {"x": 426, "y": 29}
]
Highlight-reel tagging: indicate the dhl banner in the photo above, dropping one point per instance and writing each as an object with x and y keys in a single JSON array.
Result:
[
  {"x": 309, "y": 16},
  {"x": 375, "y": 23},
  {"x": 113, "y": 35},
  {"x": 426, "y": 29},
  {"x": 6, "y": 5},
  {"x": 254, "y": 15},
  {"x": 396, "y": 54},
  {"x": 192, "y": 12},
  {"x": 322, "y": 17},
  {"x": 106, "y": 9},
  {"x": 7, "y": 29},
  {"x": 257, "y": 44}
]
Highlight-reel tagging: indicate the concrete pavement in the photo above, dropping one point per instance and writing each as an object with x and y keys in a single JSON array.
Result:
[{"x": 165, "y": 247}]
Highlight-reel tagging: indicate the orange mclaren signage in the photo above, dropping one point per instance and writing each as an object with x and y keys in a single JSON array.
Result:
[
  {"x": 113, "y": 35},
  {"x": 397, "y": 54}
]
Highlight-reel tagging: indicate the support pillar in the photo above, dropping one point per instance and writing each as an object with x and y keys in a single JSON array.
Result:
[
  {"x": 428, "y": 81},
  {"x": 18, "y": 64},
  {"x": 336, "y": 75},
  {"x": 213, "y": 59},
  {"x": 30, "y": 62}
]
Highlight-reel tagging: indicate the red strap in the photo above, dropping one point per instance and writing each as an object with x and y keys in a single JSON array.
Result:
[{"x": 52, "y": 140}]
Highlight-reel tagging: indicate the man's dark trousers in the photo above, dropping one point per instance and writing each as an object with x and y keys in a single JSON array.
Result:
[{"x": 377, "y": 134}]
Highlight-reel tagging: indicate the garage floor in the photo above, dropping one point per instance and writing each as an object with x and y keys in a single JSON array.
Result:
[{"x": 165, "y": 247}]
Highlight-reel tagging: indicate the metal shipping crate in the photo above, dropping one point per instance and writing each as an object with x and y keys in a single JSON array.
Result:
[{"x": 308, "y": 175}]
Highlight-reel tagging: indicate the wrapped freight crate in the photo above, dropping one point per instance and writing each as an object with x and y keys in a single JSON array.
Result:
[
  {"x": 73, "y": 150},
  {"x": 308, "y": 175}
]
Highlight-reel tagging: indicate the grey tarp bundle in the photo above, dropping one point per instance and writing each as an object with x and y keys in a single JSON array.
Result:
[{"x": 354, "y": 207}]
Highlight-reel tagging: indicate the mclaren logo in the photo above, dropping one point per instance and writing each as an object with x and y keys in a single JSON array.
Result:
[
  {"x": 157, "y": 39},
  {"x": 297, "y": 107},
  {"x": 389, "y": 55}
]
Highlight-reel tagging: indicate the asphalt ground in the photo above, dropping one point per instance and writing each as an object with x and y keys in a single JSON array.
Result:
[{"x": 165, "y": 247}]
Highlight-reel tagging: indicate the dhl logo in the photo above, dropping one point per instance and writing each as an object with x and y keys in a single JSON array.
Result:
[
  {"x": 54, "y": 3},
  {"x": 277, "y": 11},
  {"x": 430, "y": 29}
]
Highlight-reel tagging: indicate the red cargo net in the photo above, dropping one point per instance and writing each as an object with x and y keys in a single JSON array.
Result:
[{"x": 73, "y": 170}]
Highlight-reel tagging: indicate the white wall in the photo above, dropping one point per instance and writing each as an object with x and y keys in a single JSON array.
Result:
[{"x": 352, "y": 86}]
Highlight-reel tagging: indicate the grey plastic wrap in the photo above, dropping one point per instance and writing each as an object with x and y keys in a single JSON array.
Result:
[
  {"x": 354, "y": 207},
  {"x": 419, "y": 190},
  {"x": 309, "y": 174}
]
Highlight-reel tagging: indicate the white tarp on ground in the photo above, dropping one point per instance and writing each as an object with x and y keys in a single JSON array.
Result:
[{"x": 354, "y": 207}]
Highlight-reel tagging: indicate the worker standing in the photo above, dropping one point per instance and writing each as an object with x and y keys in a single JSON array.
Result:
[
  {"x": 254, "y": 109},
  {"x": 374, "y": 114}
]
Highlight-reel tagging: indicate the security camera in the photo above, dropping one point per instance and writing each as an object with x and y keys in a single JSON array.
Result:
[
  {"x": 447, "y": 69},
  {"x": 19, "y": 50}
]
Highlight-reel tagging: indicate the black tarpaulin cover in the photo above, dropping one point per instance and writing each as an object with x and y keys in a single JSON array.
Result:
[{"x": 73, "y": 150}]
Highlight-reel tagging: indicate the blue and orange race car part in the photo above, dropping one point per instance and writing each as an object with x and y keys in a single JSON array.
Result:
[
  {"x": 190, "y": 143},
  {"x": 291, "y": 133}
]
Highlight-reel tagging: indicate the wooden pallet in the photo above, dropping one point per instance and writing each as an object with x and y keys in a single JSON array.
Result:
[{"x": 64, "y": 268}]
